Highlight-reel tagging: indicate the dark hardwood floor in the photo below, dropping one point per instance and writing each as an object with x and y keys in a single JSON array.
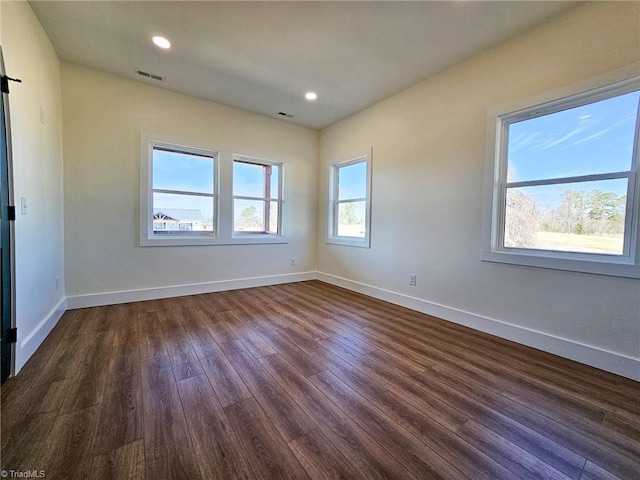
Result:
[{"x": 310, "y": 381}]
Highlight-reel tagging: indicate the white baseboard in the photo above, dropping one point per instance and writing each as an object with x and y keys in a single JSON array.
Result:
[
  {"x": 126, "y": 296},
  {"x": 605, "y": 360},
  {"x": 32, "y": 341}
]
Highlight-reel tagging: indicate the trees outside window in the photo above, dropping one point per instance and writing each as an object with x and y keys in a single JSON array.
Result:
[
  {"x": 565, "y": 183},
  {"x": 350, "y": 202}
]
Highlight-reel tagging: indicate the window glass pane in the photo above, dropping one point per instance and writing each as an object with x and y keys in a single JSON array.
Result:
[
  {"x": 591, "y": 139},
  {"x": 572, "y": 217},
  {"x": 249, "y": 215},
  {"x": 248, "y": 179},
  {"x": 352, "y": 181},
  {"x": 351, "y": 219},
  {"x": 275, "y": 181},
  {"x": 273, "y": 218},
  {"x": 175, "y": 214},
  {"x": 183, "y": 172}
]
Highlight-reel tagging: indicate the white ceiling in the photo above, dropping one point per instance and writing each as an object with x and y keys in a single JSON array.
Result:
[{"x": 263, "y": 56}]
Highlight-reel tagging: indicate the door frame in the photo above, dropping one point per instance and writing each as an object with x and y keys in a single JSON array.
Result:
[{"x": 10, "y": 191}]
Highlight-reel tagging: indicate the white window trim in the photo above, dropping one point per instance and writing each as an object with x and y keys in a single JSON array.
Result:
[
  {"x": 253, "y": 235},
  {"x": 332, "y": 236},
  {"x": 626, "y": 265},
  {"x": 223, "y": 189}
]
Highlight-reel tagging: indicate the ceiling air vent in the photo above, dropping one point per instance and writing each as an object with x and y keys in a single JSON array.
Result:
[
  {"x": 283, "y": 114},
  {"x": 149, "y": 75}
]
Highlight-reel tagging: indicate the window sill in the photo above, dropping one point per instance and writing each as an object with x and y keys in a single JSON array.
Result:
[
  {"x": 616, "y": 266},
  {"x": 199, "y": 241},
  {"x": 349, "y": 242},
  {"x": 256, "y": 238}
]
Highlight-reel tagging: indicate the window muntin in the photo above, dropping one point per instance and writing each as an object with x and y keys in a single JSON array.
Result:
[
  {"x": 257, "y": 197},
  {"x": 565, "y": 184},
  {"x": 183, "y": 197},
  {"x": 349, "y": 198}
]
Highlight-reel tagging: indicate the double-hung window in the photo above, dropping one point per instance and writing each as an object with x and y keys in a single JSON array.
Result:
[
  {"x": 179, "y": 204},
  {"x": 564, "y": 183},
  {"x": 193, "y": 195},
  {"x": 257, "y": 197},
  {"x": 349, "y": 203}
]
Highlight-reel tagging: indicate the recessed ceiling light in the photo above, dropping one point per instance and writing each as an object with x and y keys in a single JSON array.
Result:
[
  {"x": 310, "y": 96},
  {"x": 161, "y": 42}
]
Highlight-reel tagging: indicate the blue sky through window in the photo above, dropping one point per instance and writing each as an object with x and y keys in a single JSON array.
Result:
[
  {"x": 590, "y": 139},
  {"x": 182, "y": 171},
  {"x": 352, "y": 181},
  {"x": 248, "y": 180}
]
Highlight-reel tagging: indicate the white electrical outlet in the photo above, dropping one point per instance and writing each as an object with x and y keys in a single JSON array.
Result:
[
  {"x": 292, "y": 261},
  {"x": 412, "y": 279},
  {"x": 57, "y": 283}
]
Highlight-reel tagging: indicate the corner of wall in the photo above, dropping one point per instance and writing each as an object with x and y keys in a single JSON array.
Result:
[
  {"x": 36, "y": 148},
  {"x": 28, "y": 346}
]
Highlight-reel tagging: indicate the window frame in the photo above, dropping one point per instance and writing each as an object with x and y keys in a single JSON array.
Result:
[
  {"x": 280, "y": 224},
  {"x": 147, "y": 236},
  {"x": 334, "y": 204},
  {"x": 496, "y": 183},
  {"x": 223, "y": 188}
]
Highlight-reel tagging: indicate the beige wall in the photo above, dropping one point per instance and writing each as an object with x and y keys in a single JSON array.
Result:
[
  {"x": 37, "y": 175},
  {"x": 103, "y": 116},
  {"x": 428, "y": 167}
]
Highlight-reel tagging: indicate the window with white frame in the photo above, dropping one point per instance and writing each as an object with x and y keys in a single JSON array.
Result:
[
  {"x": 257, "y": 197},
  {"x": 195, "y": 195},
  {"x": 183, "y": 192},
  {"x": 349, "y": 202},
  {"x": 564, "y": 183}
]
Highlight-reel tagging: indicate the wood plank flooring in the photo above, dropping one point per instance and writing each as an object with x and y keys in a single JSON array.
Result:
[{"x": 307, "y": 381}]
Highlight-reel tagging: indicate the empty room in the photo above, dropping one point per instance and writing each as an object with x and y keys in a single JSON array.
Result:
[{"x": 320, "y": 240}]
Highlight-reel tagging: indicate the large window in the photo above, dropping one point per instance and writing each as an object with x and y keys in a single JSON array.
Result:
[
  {"x": 257, "y": 197},
  {"x": 565, "y": 183},
  {"x": 349, "y": 198},
  {"x": 195, "y": 195}
]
